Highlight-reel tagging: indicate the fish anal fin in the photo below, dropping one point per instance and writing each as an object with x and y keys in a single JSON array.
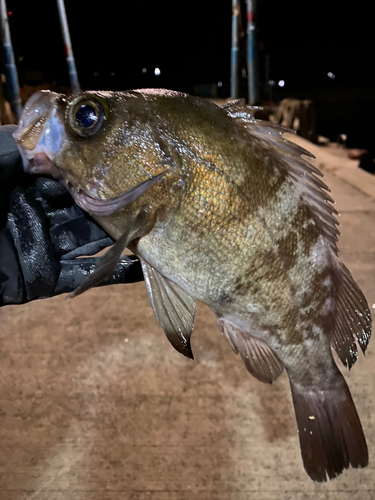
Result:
[
  {"x": 330, "y": 432},
  {"x": 352, "y": 318},
  {"x": 173, "y": 308},
  {"x": 259, "y": 359}
]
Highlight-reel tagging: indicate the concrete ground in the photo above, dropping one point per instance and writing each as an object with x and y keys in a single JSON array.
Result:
[{"x": 96, "y": 405}]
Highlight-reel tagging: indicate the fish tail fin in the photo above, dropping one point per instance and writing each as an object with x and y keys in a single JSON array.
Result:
[{"x": 330, "y": 432}]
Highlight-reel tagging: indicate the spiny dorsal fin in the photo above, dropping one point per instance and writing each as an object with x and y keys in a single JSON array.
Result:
[
  {"x": 303, "y": 174},
  {"x": 238, "y": 109},
  {"x": 173, "y": 308},
  {"x": 352, "y": 320},
  {"x": 259, "y": 360}
]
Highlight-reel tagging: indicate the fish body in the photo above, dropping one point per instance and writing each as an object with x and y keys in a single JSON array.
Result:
[{"x": 220, "y": 208}]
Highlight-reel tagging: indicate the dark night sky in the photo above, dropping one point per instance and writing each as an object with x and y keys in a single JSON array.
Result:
[{"x": 190, "y": 43}]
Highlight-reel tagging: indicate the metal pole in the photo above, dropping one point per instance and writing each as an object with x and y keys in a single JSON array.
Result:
[
  {"x": 10, "y": 66},
  {"x": 74, "y": 85},
  {"x": 251, "y": 54},
  {"x": 234, "y": 51}
]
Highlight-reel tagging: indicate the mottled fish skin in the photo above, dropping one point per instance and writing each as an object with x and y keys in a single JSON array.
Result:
[{"x": 241, "y": 223}]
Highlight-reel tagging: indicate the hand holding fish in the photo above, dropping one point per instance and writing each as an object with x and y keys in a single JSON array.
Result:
[
  {"x": 221, "y": 208},
  {"x": 42, "y": 232}
]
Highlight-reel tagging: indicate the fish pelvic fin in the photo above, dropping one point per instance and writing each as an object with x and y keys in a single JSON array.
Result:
[
  {"x": 140, "y": 226},
  {"x": 259, "y": 359},
  {"x": 352, "y": 318},
  {"x": 173, "y": 308},
  {"x": 330, "y": 432}
]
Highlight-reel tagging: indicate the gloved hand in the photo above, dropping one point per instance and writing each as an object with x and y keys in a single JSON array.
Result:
[{"x": 42, "y": 232}]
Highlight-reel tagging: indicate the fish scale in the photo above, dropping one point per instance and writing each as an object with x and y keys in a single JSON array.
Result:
[{"x": 220, "y": 208}]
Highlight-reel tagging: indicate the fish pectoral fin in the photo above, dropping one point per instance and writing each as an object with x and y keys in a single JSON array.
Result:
[
  {"x": 141, "y": 225},
  {"x": 259, "y": 360},
  {"x": 173, "y": 308}
]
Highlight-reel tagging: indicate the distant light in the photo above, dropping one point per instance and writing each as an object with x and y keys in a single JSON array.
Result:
[
  {"x": 281, "y": 83},
  {"x": 157, "y": 71},
  {"x": 9, "y": 13},
  {"x": 331, "y": 75},
  {"x": 219, "y": 84},
  {"x": 271, "y": 83},
  {"x": 144, "y": 70},
  {"x": 113, "y": 73}
]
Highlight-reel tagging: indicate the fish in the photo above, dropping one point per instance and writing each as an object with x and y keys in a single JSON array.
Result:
[{"x": 220, "y": 208}]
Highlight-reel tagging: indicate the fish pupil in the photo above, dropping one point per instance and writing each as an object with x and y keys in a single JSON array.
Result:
[{"x": 86, "y": 116}]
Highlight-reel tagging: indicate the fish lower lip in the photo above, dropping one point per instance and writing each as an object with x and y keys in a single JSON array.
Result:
[
  {"x": 40, "y": 164},
  {"x": 74, "y": 192}
]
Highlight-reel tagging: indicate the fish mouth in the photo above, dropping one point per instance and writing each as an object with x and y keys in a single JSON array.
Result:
[
  {"x": 102, "y": 207},
  {"x": 40, "y": 164},
  {"x": 41, "y": 138}
]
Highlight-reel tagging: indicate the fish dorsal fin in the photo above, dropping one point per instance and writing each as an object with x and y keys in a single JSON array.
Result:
[
  {"x": 303, "y": 174},
  {"x": 305, "y": 178},
  {"x": 352, "y": 318},
  {"x": 351, "y": 322},
  {"x": 173, "y": 308},
  {"x": 259, "y": 360},
  {"x": 238, "y": 109}
]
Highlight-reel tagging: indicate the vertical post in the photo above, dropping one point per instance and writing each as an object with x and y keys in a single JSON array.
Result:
[
  {"x": 10, "y": 66},
  {"x": 73, "y": 77},
  {"x": 234, "y": 51},
  {"x": 251, "y": 54}
]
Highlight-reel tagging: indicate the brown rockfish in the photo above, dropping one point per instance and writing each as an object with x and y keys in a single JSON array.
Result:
[{"x": 220, "y": 208}]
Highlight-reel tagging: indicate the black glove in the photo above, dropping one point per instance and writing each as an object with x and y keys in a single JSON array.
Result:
[{"x": 42, "y": 232}]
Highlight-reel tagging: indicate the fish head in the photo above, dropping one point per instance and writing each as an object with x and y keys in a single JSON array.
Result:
[{"x": 100, "y": 145}]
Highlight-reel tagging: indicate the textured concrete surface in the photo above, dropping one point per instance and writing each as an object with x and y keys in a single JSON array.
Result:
[{"x": 96, "y": 405}]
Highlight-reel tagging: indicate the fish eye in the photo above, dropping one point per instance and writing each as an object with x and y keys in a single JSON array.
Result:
[{"x": 87, "y": 117}]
